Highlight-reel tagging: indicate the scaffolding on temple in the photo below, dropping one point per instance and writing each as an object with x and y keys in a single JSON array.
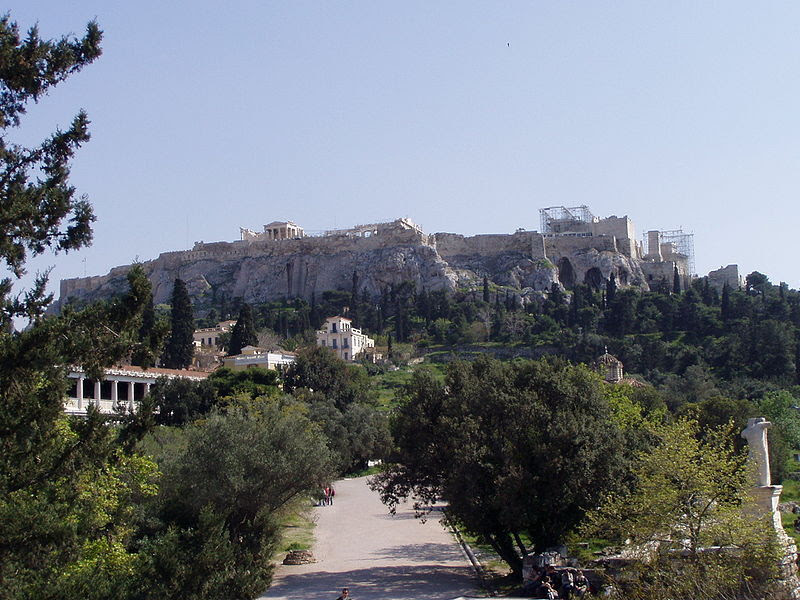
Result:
[
  {"x": 562, "y": 215},
  {"x": 683, "y": 244}
]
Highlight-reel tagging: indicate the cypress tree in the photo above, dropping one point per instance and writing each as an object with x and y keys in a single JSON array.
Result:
[
  {"x": 244, "y": 332},
  {"x": 708, "y": 298},
  {"x": 611, "y": 288},
  {"x": 486, "y": 290},
  {"x": 354, "y": 289},
  {"x": 725, "y": 305},
  {"x": 151, "y": 336},
  {"x": 676, "y": 281},
  {"x": 180, "y": 344}
]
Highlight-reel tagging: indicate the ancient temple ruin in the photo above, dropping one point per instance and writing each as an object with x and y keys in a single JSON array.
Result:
[{"x": 284, "y": 260}]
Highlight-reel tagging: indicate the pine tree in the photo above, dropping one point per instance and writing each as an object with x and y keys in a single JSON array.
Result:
[
  {"x": 35, "y": 193},
  {"x": 244, "y": 332},
  {"x": 49, "y": 463},
  {"x": 180, "y": 344}
]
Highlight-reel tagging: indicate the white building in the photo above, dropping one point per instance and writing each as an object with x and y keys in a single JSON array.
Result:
[
  {"x": 339, "y": 335},
  {"x": 209, "y": 336},
  {"x": 252, "y": 356},
  {"x": 120, "y": 390}
]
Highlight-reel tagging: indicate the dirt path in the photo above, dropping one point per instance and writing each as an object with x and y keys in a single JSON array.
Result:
[{"x": 378, "y": 556}]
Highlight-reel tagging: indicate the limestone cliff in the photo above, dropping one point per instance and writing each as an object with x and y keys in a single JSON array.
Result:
[{"x": 260, "y": 271}]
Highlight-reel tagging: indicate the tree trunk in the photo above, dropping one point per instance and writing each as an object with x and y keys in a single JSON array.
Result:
[
  {"x": 502, "y": 544},
  {"x": 522, "y": 550}
]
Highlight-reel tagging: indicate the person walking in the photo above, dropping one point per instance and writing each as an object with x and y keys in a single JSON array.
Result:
[{"x": 331, "y": 495}]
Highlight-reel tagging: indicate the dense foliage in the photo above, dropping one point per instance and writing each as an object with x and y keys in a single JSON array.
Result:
[
  {"x": 83, "y": 512},
  {"x": 340, "y": 399},
  {"x": 691, "y": 493},
  {"x": 736, "y": 336},
  {"x": 515, "y": 449},
  {"x": 713, "y": 354}
]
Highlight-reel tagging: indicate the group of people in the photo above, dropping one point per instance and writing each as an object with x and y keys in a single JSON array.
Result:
[
  {"x": 327, "y": 496},
  {"x": 554, "y": 583}
]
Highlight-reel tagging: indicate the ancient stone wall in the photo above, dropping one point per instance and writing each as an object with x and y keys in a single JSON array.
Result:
[
  {"x": 723, "y": 275},
  {"x": 450, "y": 245},
  {"x": 620, "y": 227},
  {"x": 556, "y": 247},
  {"x": 382, "y": 255},
  {"x": 656, "y": 272}
]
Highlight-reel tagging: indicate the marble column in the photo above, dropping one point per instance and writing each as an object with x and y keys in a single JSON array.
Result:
[{"x": 79, "y": 392}]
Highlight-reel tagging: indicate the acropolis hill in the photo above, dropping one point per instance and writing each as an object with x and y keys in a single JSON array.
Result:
[{"x": 282, "y": 261}]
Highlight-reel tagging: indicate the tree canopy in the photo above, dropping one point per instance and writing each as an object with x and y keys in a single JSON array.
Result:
[
  {"x": 38, "y": 207},
  {"x": 514, "y": 448},
  {"x": 83, "y": 514},
  {"x": 691, "y": 492}
]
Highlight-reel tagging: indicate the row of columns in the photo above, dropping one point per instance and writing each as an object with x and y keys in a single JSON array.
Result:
[{"x": 114, "y": 391}]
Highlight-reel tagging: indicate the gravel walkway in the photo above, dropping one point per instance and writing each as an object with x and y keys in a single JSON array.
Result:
[{"x": 359, "y": 545}]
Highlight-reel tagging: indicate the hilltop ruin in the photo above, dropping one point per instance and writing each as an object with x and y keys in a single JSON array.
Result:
[{"x": 283, "y": 261}]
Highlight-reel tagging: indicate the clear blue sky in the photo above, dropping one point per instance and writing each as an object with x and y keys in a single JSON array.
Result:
[{"x": 466, "y": 117}]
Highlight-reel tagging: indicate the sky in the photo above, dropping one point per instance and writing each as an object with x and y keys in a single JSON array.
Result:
[{"x": 466, "y": 117}]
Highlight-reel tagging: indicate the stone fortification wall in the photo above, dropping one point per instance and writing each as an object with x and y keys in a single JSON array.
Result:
[
  {"x": 515, "y": 260},
  {"x": 452, "y": 245},
  {"x": 620, "y": 227},
  {"x": 656, "y": 272},
  {"x": 261, "y": 271},
  {"x": 77, "y": 286},
  {"x": 556, "y": 247},
  {"x": 264, "y": 270},
  {"x": 723, "y": 275}
]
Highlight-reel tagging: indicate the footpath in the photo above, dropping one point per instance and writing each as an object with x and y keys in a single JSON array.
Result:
[{"x": 359, "y": 545}]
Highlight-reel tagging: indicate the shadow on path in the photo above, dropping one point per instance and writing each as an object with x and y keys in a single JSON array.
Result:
[
  {"x": 380, "y": 583},
  {"x": 418, "y": 553}
]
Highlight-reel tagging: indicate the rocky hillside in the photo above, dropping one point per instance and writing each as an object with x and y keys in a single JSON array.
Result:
[{"x": 263, "y": 271}]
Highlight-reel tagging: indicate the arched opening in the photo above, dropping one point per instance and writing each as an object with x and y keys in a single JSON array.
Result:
[
  {"x": 566, "y": 274},
  {"x": 594, "y": 278}
]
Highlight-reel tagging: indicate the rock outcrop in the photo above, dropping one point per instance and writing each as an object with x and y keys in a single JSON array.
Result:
[{"x": 261, "y": 271}]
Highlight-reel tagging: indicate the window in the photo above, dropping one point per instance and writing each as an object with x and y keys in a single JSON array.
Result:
[
  {"x": 344, "y": 343},
  {"x": 333, "y": 329},
  {"x": 345, "y": 355},
  {"x": 333, "y": 343},
  {"x": 324, "y": 343}
]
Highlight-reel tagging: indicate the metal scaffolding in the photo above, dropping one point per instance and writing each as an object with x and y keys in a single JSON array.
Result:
[
  {"x": 683, "y": 244},
  {"x": 553, "y": 214}
]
